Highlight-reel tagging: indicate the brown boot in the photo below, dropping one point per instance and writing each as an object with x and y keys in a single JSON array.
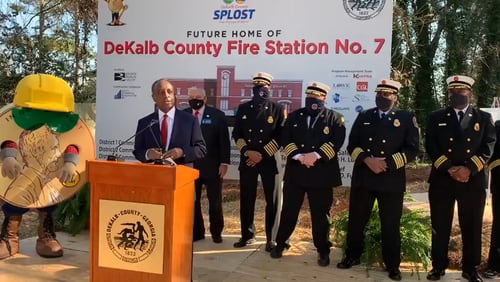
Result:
[
  {"x": 47, "y": 245},
  {"x": 9, "y": 236}
]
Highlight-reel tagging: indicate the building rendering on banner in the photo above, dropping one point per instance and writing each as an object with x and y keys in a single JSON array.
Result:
[{"x": 226, "y": 92}]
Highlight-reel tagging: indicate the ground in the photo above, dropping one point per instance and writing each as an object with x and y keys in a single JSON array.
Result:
[{"x": 416, "y": 182}]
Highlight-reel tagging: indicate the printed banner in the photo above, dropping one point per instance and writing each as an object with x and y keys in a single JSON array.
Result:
[{"x": 219, "y": 44}]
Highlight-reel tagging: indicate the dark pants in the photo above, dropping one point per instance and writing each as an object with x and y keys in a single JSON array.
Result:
[
  {"x": 494, "y": 254},
  {"x": 10, "y": 210},
  {"x": 320, "y": 202},
  {"x": 390, "y": 210},
  {"x": 248, "y": 195},
  {"x": 470, "y": 202},
  {"x": 216, "y": 217}
]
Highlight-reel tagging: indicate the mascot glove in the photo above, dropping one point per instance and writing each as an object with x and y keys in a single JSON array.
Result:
[
  {"x": 10, "y": 167},
  {"x": 67, "y": 172}
]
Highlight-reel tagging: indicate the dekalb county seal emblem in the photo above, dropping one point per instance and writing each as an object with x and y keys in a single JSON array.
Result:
[
  {"x": 363, "y": 9},
  {"x": 131, "y": 235}
]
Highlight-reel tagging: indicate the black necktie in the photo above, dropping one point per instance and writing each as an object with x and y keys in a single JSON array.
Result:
[
  {"x": 460, "y": 116},
  {"x": 382, "y": 115}
]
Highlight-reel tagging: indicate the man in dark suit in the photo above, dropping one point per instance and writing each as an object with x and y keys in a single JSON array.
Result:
[
  {"x": 494, "y": 166},
  {"x": 177, "y": 136},
  {"x": 459, "y": 141},
  {"x": 213, "y": 166},
  {"x": 311, "y": 138},
  {"x": 382, "y": 141},
  {"x": 256, "y": 132}
]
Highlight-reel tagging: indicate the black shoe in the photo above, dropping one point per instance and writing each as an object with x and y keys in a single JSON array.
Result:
[
  {"x": 217, "y": 239},
  {"x": 276, "y": 252},
  {"x": 472, "y": 276},
  {"x": 395, "y": 274},
  {"x": 348, "y": 262},
  {"x": 435, "y": 274},
  {"x": 270, "y": 245},
  {"x": 243, "y": 242},
  {"x": 198, "y": 238},
  {"x": 323, "y": 259},
  {"x": 490, "y": 273}
]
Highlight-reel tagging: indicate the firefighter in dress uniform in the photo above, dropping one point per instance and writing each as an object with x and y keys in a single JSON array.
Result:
[
  {"x": 256, "y": 132},
  {"x": 459, "y": 141},
  {"x": 493, "y": 269},
  {"x": 382, "y": 141},
  {"x": 311, "y": 138}
]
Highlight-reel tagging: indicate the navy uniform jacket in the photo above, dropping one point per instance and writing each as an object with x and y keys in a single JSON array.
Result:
[
  {"x": 325, "y": 137},
  {"x": 214, "y": 128},
  {"x": 395, "y": 138},
  {"x": 258, "y": 129},
  {"x": 494, "y": 165},
  {"x": 449, "y": 143},
  {"x": 186, "y": 134}
]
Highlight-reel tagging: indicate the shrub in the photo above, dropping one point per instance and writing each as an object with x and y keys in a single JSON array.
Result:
[{"x": 415, "y": 238}]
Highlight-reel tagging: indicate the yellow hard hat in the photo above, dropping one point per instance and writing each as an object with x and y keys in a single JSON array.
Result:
[{"x": 44, "y": 92}]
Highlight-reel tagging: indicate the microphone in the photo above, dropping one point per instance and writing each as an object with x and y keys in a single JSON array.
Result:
[{"x": 113, "y": 157}]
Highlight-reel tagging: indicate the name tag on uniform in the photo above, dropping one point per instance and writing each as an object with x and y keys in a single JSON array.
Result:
[
  {"x": 206, "y": 121},
  {"x": 442, "y": 124}
]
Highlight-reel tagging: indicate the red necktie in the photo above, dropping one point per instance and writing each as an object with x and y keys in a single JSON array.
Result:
[
  {"x": 196, "y": 115},
  {"x": 164, "y": 131}
]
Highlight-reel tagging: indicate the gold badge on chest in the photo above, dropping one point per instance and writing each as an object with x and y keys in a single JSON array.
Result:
[
  {"x": 270, "y": 119},
  {"x": 476, "y": 126},
  {"x": 326, "y": 130},
  {"x": 396, "y": 123}
]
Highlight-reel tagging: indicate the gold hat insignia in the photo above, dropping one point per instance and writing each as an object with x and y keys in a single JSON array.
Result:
[
  {"x": 396, "y": 123},
  {"x": 326, "y": 130}
]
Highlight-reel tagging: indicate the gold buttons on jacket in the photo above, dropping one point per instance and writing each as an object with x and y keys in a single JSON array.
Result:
[
  {"x": 383, "y": 141},
  {"x": 261, "y": 130},
  {"x": 449, "y": 150},
  {"x": 370, "y": 139},
  {"x": 451, "y": 139},
  {"x": 260, "y": 141},
  {"x": 382, "y": 152},
  {"x": 250, "y": 130},
  {"x": 468, "y": 151},
  {"x": 468, "y": 139}
]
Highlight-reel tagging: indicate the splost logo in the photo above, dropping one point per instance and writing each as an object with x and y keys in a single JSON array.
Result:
[
  {"x": 233, "y": 11},
  {"x": 363, "y": 9}
]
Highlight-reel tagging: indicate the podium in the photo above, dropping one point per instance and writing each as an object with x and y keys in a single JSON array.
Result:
[{"x": 141, "y": 221}]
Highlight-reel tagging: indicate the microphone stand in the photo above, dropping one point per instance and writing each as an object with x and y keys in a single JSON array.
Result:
[{"x": 115, "y": 158}]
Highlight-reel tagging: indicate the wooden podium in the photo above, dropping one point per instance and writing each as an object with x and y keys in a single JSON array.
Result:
[{"x": 141, "y": 221}]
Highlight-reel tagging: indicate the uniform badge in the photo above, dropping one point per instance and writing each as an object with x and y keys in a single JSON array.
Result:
[
  {"x": 476, "y": 126},
  {"x": 342, "y": 120},
  {"x": 396, "y": 123},
  {"x": 270, "y": 119},
  {"x": 326, "y": 130},
  {"x": 244, "y": 117}
]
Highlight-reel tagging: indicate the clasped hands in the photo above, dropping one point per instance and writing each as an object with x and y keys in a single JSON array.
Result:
[
  {"x": 376, "y": 164},
  {"x": 174, "y": 153},
  {"x": 459, "y": 173},
  {"x": 308, "y": 159},
  {"x": 253, "y": 158}
]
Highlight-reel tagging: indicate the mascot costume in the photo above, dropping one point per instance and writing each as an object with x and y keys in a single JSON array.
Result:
[{"x": 47, "y": 163}]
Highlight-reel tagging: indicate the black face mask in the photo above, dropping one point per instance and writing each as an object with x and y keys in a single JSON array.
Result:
[
  {"x": 459, "y": 101},
  {"x": 314, "y": 106},
  {"x": 260, "y": 93},
  {"x": 383, "y": 104},
  {"x": 196, "y": 103}
]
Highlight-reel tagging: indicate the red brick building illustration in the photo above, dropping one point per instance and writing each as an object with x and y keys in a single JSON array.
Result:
[{"x": 226, "y": 92}]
